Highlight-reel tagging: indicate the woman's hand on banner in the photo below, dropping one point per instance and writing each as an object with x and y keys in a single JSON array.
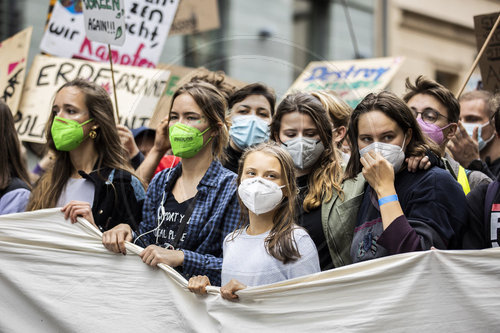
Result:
[
  {"x": 74, "y": 208},
  {"x": 114, "y": 239},
  {"x": 154, "y": 255},
  {"x": 228, "y": 291},
  {"x": 198, "y": 284}
]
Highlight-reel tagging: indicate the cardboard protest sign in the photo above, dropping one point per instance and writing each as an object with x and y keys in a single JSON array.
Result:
[
  {"x": 147, "y": 27},
  {"x": 65, "y": 31},
  {"x": 489, "y": 64},
  {"x": 138, "y": 91},
  {"x": 14, "y": 55},
  {"x": 105, "y": 21},
  {"x": 179, "y": 76},
  {"x": 351, "y": 79},
  {"x": 195, "y": 16}
]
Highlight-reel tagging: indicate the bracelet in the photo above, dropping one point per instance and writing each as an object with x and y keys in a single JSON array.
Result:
[{"x": 387, "y": 199}]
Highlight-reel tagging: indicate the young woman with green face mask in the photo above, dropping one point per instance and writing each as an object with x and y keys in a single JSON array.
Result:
[
  {"x": 199, "y": 190},
  {"x": 91, "y": 176}
]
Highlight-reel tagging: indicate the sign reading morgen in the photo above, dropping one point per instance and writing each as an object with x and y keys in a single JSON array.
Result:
[{"x": 352, "y": 80}]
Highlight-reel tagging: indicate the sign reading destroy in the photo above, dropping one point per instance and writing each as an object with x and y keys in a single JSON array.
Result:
[{"x": 351, "y": 79}]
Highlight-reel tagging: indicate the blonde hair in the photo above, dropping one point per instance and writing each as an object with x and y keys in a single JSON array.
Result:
[{"x": 338, "y": 110}]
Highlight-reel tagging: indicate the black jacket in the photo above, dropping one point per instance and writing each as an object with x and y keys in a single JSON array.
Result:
[{"x": 117, "y": 201}]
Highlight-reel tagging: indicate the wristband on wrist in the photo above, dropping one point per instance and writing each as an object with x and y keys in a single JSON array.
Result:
[{"x": 387, "y": 199}]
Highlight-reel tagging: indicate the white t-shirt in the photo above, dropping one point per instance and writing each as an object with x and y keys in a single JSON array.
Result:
[
  {"x": 79, "y": 189},
  {"x": 246, "y": 259}
]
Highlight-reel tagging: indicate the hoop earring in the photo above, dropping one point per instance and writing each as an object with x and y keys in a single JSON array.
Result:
[{"x": 93, "y": 133}]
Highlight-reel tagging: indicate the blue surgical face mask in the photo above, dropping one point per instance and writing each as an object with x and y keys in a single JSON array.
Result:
[
  {"x": 246, "y": 131},
  {"x": 469, "y": 127}
]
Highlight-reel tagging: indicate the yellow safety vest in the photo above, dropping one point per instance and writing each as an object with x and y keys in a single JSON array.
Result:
[{"x": 462, "y": 179}]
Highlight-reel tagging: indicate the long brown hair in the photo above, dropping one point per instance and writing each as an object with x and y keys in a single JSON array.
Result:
[
  {"x": 11, "y": 164},
  {"x": 111, "y": 153},
  {"x": 213, "y": 104},
  {"x": 326, "y": 173},
  {"x": 397, "y": 110},
  {"x": 280, "y": 242}
]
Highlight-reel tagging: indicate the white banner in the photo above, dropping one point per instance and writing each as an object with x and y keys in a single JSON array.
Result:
[{"x": 57, "y": 277}]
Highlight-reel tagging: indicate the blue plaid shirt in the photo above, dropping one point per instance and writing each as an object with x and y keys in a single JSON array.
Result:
[{"x": 216, "y": 214}]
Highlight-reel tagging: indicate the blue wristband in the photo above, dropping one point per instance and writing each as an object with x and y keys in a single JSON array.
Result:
[{"x": 387, "y": 199}]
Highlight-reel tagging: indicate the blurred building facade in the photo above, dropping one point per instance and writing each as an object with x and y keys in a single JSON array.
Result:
[
  {"x": 272, "y": 41},
  {"x": 437, "y": 38}
]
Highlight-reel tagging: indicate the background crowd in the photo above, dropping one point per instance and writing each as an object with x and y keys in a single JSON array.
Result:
[{"x": 235, "y": 190}]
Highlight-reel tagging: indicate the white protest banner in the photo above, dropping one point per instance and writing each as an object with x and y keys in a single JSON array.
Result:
[
  {"x": 147, "y": 27},
  {"x": 14, "y": 55},
  {"x": 104, "y": 21},
  {"x": 138, "y": 91},
  {"x": 180, "y": 75},
  {"x": 352, "y": 80},
  {"x": 58, "y": 277},
  {"x": 65, "y": 31}
]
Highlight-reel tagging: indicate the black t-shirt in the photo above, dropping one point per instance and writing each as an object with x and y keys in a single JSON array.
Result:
[
  {"x": 233, "y": 159},
  {"x": 172, "y": 217},
  {"x": 311, "y": 221}
]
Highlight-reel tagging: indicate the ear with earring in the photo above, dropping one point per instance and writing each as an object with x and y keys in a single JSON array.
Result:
[{"x": 93, "y": 133}]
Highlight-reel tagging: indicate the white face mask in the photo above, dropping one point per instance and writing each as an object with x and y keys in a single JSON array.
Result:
[
  {"x": 260, "y": 195},
  {"x": 305, "y": 152},
  {"x": 394, "y": 154}
]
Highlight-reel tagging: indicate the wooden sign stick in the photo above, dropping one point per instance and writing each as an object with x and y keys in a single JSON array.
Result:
[
  {"x": 483, "y": 48},
  {"x": 114, "y": 85}
]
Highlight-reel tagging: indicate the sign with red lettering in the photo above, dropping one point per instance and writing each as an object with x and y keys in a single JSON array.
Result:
[
  {"x": 138, "y": 91},
  {"x": 104, "y": 21},
  {"x": 147, "y": 25},
  {"x": 14, "y": 55}
]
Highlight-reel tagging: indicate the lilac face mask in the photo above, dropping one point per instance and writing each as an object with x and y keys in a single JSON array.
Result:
[{"x": 434, "y": 132}]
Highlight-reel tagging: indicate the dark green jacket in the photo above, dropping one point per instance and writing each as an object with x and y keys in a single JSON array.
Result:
[{"x": 338, "y": 217}]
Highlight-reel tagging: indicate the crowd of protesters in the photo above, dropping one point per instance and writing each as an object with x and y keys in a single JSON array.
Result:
[{"x": 233, "y": 190}]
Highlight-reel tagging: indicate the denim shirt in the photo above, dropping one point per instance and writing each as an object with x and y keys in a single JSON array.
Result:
[{"x": 215, "y": 214}]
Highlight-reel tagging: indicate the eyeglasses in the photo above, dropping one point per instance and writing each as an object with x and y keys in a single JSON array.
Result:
[{"x": 429, "y": 116}]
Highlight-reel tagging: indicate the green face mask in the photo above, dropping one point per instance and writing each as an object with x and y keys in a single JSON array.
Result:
[
  {"x": 66, "y": 133},
  {"x": 186, "y": 141}
]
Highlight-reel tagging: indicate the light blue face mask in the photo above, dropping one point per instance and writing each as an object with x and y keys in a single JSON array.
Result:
[
  {"x": 469, "y": 127},
  {"x": 246, "y": 131}
]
